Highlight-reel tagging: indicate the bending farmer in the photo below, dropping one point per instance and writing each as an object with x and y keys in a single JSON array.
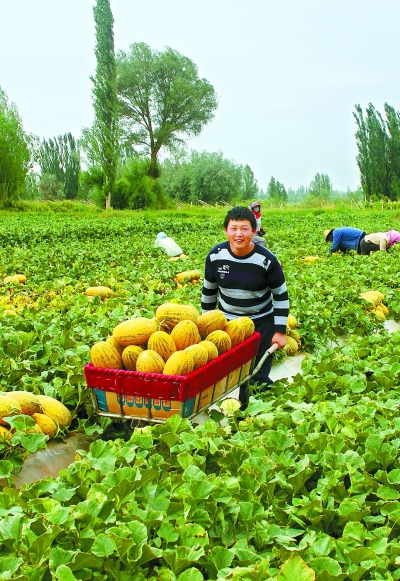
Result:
[
  {"x": 168, "y": 245},
  {"x": 247, "y": 280},
  {"x": 344, "y": 239}
]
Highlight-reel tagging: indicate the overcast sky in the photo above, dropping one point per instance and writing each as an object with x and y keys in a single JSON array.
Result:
[{"x": 287, "y": 72}]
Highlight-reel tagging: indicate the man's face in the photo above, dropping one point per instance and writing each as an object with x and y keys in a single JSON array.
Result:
[{"x": 240, "y": 234}]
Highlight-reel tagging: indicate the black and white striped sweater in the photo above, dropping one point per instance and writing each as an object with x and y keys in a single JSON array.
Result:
[{"x": 252, "y": 285}]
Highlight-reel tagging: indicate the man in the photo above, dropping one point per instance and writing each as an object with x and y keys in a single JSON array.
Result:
[
  {"x": 247, "y": 280},
  {"x": 344, "y": 239}
]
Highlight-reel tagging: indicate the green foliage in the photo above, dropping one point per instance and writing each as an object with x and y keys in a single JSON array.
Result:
[
  {"x": 378, "y": 142},
  {"x": 14, "y": 153},
  {"x": 250, "y": 189},
  {"x": 276, "y": 191},
  {"x": 320, "y": 187},
  {"x": 136, "y": 189},
  {"x": 203, "y": 176},
  {"x": 60, "y": 157},
  {"x": 101, "y": 141},
  {"x": 162, "y": 99},
  {"x": 50, "y": 188},
  {"x": 305, "y": 486}
]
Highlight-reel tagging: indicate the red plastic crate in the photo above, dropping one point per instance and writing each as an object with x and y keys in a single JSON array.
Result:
[{"x": 172, "y": 387}]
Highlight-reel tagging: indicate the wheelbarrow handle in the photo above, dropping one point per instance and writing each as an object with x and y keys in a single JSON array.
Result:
[{"x": 268, "y": 352}]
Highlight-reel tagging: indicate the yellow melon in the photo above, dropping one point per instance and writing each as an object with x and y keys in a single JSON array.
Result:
[
  {"x": 46, "y": 424},
  {"x": 163, "y": 343},
  {"x": 221, "y": 340},
  {"x": 211, "y": 321},
  {"x": 211, "y": 349},
  {"x": 150, "y": 361},
  {"x": 180, "y": 363},
  {"x": 235, "y": 331},
  {"x": 130, "y": 355},
  {"x": 185, "y": 333},
  {"x": 134, "y": 331},
  {"x": 28, "y": 402},
  {"x": 199, "y": 355},
  {"x": 55, "y": 410}
]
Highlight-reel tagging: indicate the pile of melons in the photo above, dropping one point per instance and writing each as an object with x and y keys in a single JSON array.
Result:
[
  {"x": 293, "y": 339},
  {"x": 374, "y": 303},
  {"x": 176, "y": 341},
  {"x": 49, "y": 414}
]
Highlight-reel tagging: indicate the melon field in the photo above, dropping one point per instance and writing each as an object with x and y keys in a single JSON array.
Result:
[{"x": 303, "y": 486}]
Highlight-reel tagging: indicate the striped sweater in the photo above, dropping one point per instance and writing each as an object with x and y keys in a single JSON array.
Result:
[{"x": 252, "y": 285}]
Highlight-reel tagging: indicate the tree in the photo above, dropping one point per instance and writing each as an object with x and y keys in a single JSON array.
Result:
[
  {"x": 276, "y": 191},
  {"x": 320, "y": 187},
  {"x": 204, "y": 176},
  {"x": 101, "y": 140},
  {"x": 161, "y": 98},
  {"x": 14, "y": 152},
  {"x": 250, "y": 189},
  {"x": 60, "y": 157},
  {"x": 378, "y": 158}
]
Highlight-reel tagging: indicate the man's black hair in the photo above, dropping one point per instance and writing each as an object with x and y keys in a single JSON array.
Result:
[{"x": 240, "y": 213}]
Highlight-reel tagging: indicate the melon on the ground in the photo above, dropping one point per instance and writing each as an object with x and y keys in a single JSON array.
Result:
[{"x": 55, "y": 410}]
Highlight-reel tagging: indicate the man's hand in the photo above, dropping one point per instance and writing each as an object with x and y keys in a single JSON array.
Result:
[
  {"x": 261, "y": 232},
  {"x": 280, "y": 339}
]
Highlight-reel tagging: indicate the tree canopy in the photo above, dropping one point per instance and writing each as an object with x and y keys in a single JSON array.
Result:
[
  {"x": 378, "y": 159},
  {"x": 101, "y": 140},
  {"x": 14, "y": 152},
  {"x": 60, "y": 158},
  {"x": 320, "y": 187},
  {"x": 276, "y": 191},
  {"x": 161, "y": 99}
]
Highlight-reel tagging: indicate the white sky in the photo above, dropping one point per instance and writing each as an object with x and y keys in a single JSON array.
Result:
[{"x": 287, "y": 72}]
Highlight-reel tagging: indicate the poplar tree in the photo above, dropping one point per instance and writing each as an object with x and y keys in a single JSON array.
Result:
[{"x": 101, "y": 141}]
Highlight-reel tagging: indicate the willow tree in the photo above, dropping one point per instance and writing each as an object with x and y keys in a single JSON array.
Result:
[
  {"x": 101, "y": 140},
  {"x": 162, "y": 99}
]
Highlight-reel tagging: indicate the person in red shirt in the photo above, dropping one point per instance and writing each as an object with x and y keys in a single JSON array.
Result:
[{"x": 255, "y": 207}]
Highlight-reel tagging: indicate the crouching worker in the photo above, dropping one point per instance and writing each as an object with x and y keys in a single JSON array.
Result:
[
  {"x": 255, "y": 207},
  {"x": 246, "y": 279},
  {"x": 167, "y": 245}
]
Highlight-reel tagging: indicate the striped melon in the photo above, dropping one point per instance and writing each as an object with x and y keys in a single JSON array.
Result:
[
  {"x": 113, "y": 342},
  {"x": 103, "y": 354},
  {"x": 8, "y": 407},
  {"x": 212, "y": 351},
  {"x": 170, "y": 314},
  {"x": 221, "y": 340},
  {"x": 235, "y": 331},
  {"x": 46, "y": 424},
  {"x": 291, "y": 346},
  {"x": 199, "y": 354},
  {"x": 211, "y": 321},
  {"x": 134, "y": 331},
  {"x": 55, "y": 410},
  {"x": 248, "y": 326},
  {"x": 99, "y": 291},
  {"x": 180, "y": 363},
  {"x": 185, "y": 333},
  {"x": 163, "y": 343},
  {"x": 150, "y": 361},
  {"x": 130, "y": 355},
  {"x": 28, "y": 401},
  {"x": 292, "y": 322}
]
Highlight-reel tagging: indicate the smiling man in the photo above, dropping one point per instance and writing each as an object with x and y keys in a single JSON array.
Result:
[{"x": 246, "y": 279}]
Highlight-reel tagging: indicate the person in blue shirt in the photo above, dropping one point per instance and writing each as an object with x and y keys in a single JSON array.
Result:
[{"x": 344, "y": 239}]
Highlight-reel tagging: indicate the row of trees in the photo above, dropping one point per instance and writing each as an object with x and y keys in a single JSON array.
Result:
[{"x": 378, "y": 142}]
